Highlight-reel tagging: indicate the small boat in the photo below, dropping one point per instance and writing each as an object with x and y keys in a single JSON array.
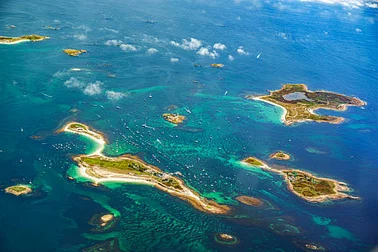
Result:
[
  {"x": 118, "y": 107},
  {"x": 225, "y": 93},
  {"x": 187, "y": 110},
  {"x": 22, "y": 129},
  {"x": 150, "y": 96},
  {"x": 258, "y": 56}
]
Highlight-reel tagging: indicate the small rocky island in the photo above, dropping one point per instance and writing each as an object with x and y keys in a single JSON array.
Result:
[
  {"x": 299, "y": 103},
  {"x": 250, "y": 201},
  {"x": 217, "y": 65},
  {"x": 131, "y": 169},
  {"x": 25, "y": 38},
  {"x": 18, "y": 189},
  {"x": 226, "y": 239},
  {"x": 102, "y": 222},
  {"x": 280, "y": 155},
  {"x": 74, "y": 52},
  {"x": 174, "y": 118},
  {"x": 306, "y": 185}
]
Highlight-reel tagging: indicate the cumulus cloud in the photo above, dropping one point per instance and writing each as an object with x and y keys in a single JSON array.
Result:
[
  {"x": 282, "y": 35},
  {"x": 80, "y": 36},
  {"x": 108, "y": 29},
  {"x": 230, "y": 57},
  {"x": 219, "y": 46},
  {"x": 84, "y": 28},
  {"x": 241, "y": 51},
  {"x": 74, "y": 83},
  {"x": 173, "y": 60},
  {"x": 205, "y": 52},
  {"x": 115, "y": 96},
  {"x": 192, "y": 44},
  {"x": 93, "y": 88},
  {"x": 113, "y": 42},
  {"x": 152, "y": 51},
  {"x": 128, "y": 48}
]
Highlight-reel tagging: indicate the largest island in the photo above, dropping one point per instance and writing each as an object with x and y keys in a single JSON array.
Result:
[
  {"x": 299, "y": 103},
  {"x": 131, "y": 169}
]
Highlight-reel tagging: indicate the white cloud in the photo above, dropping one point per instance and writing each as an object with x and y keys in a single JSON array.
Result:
[
  {"x": 173, "y": 60},
  {"x": 372, "y": 5},
  {"x": 241, "y": 51},
  {"x": 128, "y": 48},
  {"x": 74, "y": 83},
  {"x": 80, "y": 36},
  {"x": 205, "y": 52},
  {"x": 152, "y": 51},
  {"x": 113, "y": 42},
  {"x": 346, "y": 3},
  {"x": 219, "y": 46},
  {"x": 193, "y": 44},
  {"x": 93, "y": 88},
  {"x": 115, "y": 96},
  {"x": 108, "y": 29},
  {"x": 282, "y": 35},
  {"x": 230, "y": 57},
  {"x": 85, "y": 28}
]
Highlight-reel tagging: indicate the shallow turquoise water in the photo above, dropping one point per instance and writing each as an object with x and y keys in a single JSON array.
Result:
[{"x": 335, "y": 51}]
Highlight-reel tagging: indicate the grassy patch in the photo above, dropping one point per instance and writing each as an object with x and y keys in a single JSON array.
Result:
[{"x": 309, "y": 186}]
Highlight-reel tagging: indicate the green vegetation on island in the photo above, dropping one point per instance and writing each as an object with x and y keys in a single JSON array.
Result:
[
  {"x": 131, "y": 166},
  {"x": 174, "y": 118},
  {"x": 253, "y": 161},
  {"x": 15, "y": 40},
  {"x": 280, "y": 155},
  {"x": 74, "y": 52},
  {"x": 18, "y": 189},
  {"x": 130, "y": 169},
  {"x": 306, "y": 185},
  {"x": 299, "y": 103}
]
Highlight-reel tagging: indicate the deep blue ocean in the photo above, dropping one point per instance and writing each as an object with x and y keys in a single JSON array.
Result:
[{"x": 144, "y": 56}]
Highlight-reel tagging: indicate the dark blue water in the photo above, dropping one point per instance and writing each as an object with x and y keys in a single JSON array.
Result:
[{"x": 327, "y": 47}]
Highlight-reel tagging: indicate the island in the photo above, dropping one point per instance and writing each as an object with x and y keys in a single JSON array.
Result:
[
  {"x": 306, "y": 185},
  {"x": 174, "y": 118},
  {"x": 250, "y": 201},
  {"x": 25, "y": 38},
  {"x": 299, "y": 103},
  {"x": 226, "y": 239},
  {"x": 280, "y": 155},
  {"x": 18, "y": 190},
  {"x": 253, "y": 161},
  {"x": 74, "y": 52},
  {"x": 217, "y": 65},
  {"x": 102, "y": 222},
  {"x": 131, "y": 169}
]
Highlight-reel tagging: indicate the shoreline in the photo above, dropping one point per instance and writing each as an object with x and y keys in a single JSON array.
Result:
[
  {"x": 15, "y": 42},
  {"x": 283, "y": 116},
  {"x": 186, "y": 194}
]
